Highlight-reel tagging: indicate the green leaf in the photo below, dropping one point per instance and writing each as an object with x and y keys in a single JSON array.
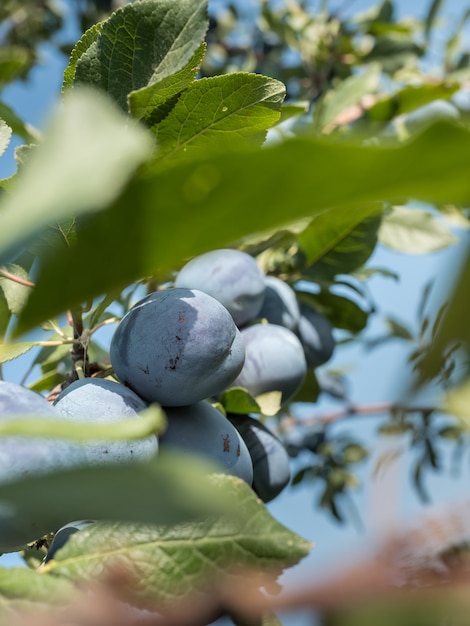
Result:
[
  {"x": 16, "y": 293},
  {"x": 153, "y": 102},
  {"x": 50, "y": 187},
  {"x": 340, "y": 240},
  {"x": 17, "y": 125},
  {"x": 431, "y": 15},
  {"x": 340, "y": 311},
  {"x": 172, "y": 488},
  {"x": 185, "y": 558},
  {"x": 237, "y": 400},
  {"x": 5, "y": 136},
  {"x": 23, "y": 589},
  {"x": 348, "y": 93},
  {"x": 457, "y": 402},
  {"x": 140, "y": 44},
  {"x": 150, "y": 421},
  {"x": 414, "y": 231},
  {"x": 228, "y": 108},
  {"x": 14, "y": 62},
  {"x": 409, "y": 98},
  {"x": 82, "y": 45},
  {"x": 172, "y": 207},
  {"x": 452, "y": 330},
  {"x": 10, "y": 351}
]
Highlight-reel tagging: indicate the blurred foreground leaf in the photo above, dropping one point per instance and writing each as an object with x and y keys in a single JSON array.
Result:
[
  {"x": 239, "y": 194},
  {"x": 89, "y": 141},
  {"x": 172, "y": 562},
  {"x": 171, "y": 489}
]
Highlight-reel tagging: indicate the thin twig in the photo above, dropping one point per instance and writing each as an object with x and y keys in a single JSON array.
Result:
[{"x": 16, "y": 279}]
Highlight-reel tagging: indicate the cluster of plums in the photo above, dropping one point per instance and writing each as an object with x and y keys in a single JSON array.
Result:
[{"x": 223, "y": 324}]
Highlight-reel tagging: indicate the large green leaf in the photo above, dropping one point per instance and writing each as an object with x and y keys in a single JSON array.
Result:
[
  {"x": 85, "y": 159},
  {"x": 199, "y": 205},
  {"x": 171, "y": 562},
  {"x": 140, "y": 44},
  {"x": 172, "y": 488},
  {"x": 230, "y": 107}
]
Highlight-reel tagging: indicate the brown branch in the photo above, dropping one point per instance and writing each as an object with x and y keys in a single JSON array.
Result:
[
  {"x": 16, "y": 279},
  {"x": 354, "y": 410}
]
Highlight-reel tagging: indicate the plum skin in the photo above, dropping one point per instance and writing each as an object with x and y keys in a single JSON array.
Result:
[
  {"x": 280, "y": 304},
  {"x": 316, "y": 335},
  {"x": 274, "y": 361},
  {"x": 231, "y": 276},
  {"x": 177, "y": 347},
  {"x": 62, "y": 536},
  {"x": 271, "y": 467},
  {"x": 201, "y": 429},
  {"x": 105, "y": 401},
  {"x": 24, "y": 457}
]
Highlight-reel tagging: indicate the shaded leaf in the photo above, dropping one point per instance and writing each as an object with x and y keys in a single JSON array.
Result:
[
  {"x": 153, "y": 102},
  {"x": 414, "y": 231},
  {"x": 340, "y": 240}
]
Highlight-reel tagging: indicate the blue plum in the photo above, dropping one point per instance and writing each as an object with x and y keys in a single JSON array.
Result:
[
  {"x": 177, "y": 347},
  {"x": 29, "y": 456},
  {"x": 201, "y": 429},
  {"x": 231, "y": 276},
  {"x": 105, "y": 401},
  {"x": 274, "y": 361},
  {"x": 316, "y": 335},
  {"x": 271, "y": 467},
  {"x": 280, "y": 304},
  {"x": 63, "y": 535}
]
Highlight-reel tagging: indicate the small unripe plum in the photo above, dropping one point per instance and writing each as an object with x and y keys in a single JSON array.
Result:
[
  {"x": 177, "y": 347},
  {"x": 316, "y": 335},
  {"x": 201, "y": 429},
  {"x": 280, "y": 304},
  {"x": 232, "y": 277},
  {"x": 62, "y": 536},
  {"x": 29, "y": 456},
  {"x": 104, "y": 401},
  {"x": 274, "y": 361},
  {"x": 271, "y": 468}
]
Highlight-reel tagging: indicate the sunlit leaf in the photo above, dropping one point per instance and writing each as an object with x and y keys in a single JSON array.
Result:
[{"x": 414, "y": 231}]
